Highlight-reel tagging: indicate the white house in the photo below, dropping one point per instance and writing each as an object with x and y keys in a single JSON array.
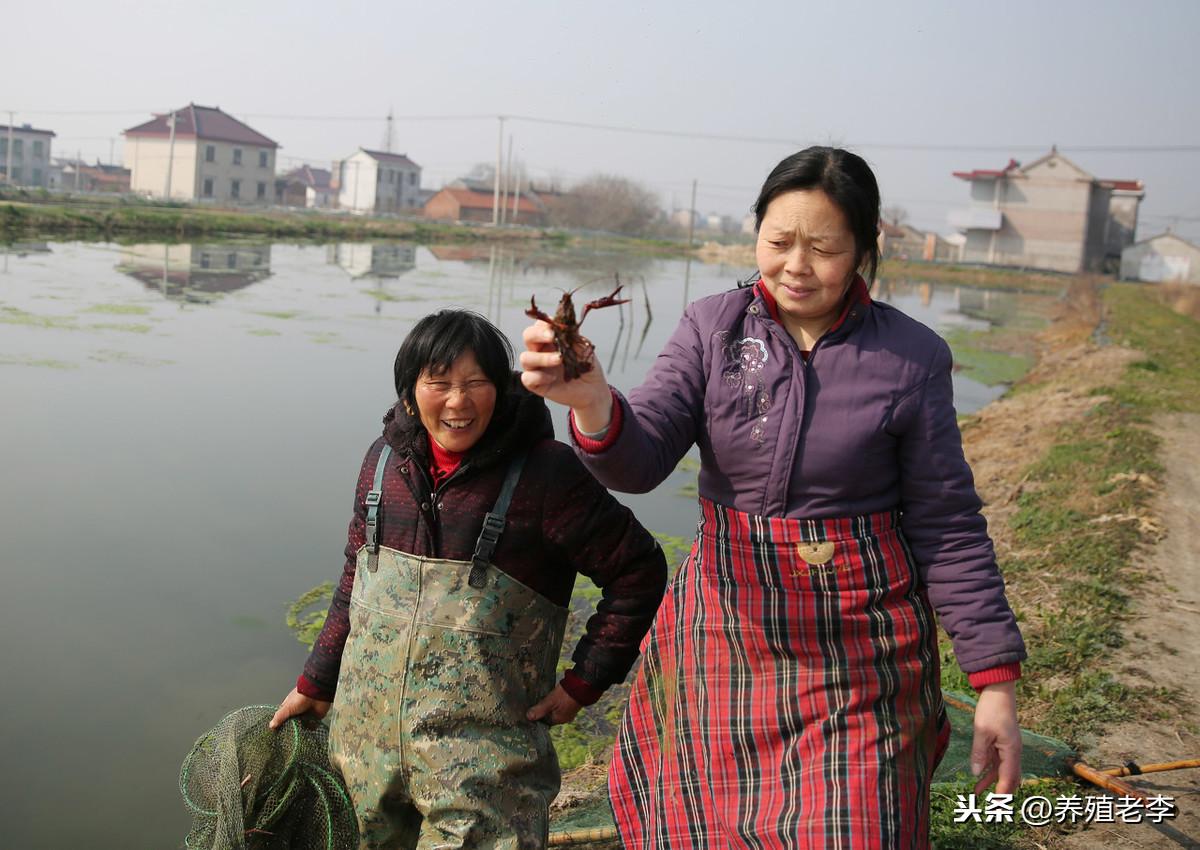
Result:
[
  {"x": 378, "y": 182},
  {"x": 25, "y": 155},
  {"x": 1048, "y": 214},
  {"x": 211, "y": 156},
  {"x": 1161, "y": 259}
]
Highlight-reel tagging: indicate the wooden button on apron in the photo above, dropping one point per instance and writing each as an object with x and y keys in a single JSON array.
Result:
[{"x": 815, "y": 553}]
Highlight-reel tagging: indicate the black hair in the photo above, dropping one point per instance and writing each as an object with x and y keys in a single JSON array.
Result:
[
  {"x": 847, "y": 180},
  {"x": 440, "y": 338}
]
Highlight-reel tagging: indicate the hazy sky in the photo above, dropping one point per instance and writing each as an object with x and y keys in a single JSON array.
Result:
[{"x": 993, "y": 80}]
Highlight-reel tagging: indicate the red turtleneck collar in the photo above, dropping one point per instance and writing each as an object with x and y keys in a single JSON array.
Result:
[{"x": 442, "y": 462}]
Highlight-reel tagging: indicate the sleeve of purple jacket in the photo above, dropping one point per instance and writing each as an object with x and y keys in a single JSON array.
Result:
[
  {"x": 660, "y": 419},
  {"x": 945, "y": 530}
]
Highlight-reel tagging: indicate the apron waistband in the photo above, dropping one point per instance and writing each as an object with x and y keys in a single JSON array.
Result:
[{"x": 725, "y": 523}]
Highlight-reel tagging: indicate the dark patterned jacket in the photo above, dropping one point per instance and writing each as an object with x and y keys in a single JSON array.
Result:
[{"x": 561, "y": 522}]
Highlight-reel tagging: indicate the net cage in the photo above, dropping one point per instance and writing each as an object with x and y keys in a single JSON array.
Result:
[{"x": 249, "y": 787}]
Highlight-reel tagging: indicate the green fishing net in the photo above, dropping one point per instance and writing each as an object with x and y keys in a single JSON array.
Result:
[
  {"x": 1041, "y": 757},
  {"x": 252, "y": 788}
]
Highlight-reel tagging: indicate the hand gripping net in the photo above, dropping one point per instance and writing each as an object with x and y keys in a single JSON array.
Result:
[{"x": 252, "y": 788}]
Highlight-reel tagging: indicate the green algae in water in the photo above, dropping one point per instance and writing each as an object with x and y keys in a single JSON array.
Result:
[
  {"x": 15, "y": 316},
  {"x": 120, "y": 309},
  {"x": 125, "y": 358},
  {"x": 44, "y": 363},
  {"x": 306, "y": 615},
  {"x": 278, "y": 314},
  {"x": 117, "y": 326},
  {"x": 384, "y": 295},
  {"x": 263, "y": 332},
  {"x": 977, "y": 361}
]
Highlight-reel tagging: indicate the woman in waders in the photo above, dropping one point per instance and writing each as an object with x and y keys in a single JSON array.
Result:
[
  {"x": 789, "y": 695},
  {"x": 442, "y": 640}
]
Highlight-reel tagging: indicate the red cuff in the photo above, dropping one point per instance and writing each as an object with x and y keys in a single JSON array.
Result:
[
  {"x": 995, "y": 675},
  {"x": 595, "y": 447},
  {"x": 308, "y": 689},
  {"x": 579, "y": 689}
]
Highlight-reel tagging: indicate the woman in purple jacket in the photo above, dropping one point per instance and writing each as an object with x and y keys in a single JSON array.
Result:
[{"x": 789, "y": 695}]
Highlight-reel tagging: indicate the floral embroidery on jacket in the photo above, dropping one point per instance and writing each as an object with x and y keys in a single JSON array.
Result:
[{"x": 744, "y": 362}]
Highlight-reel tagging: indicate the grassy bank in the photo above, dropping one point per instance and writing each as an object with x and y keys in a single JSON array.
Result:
[
  {"x": 1082, "y": 518},
  {"x": 33, "y": 215},
  {"x": 988, "y": 277},
  {"x": 121, "y": 220}
]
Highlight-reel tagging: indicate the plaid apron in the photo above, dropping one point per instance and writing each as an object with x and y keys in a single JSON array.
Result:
[{"x": 789, "y": 694}]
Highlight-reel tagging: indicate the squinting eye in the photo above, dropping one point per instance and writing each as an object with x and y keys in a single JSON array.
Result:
[
  {"x": 777, "y": 244},
  {"x": 437, "y": 386},
  {"x": 478, "y": 385}
]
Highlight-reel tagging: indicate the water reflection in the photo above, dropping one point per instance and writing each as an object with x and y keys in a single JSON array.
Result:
[
  {"x": 197, "y": 273},
  {"x": 373, "y": 260}
]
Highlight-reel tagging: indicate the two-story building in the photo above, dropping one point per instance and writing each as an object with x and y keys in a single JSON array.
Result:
[
  {"x": 210, "y": 156},
  {"x": 378, "y": 182},
  {"x": 1049, "y": 214},
  {"x": 24, "y": 155}
]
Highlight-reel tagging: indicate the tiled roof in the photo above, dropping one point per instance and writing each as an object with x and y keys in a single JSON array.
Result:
[
  {"x": 1127, "y": 185},
  {"x": 393, "y": 158},
  {"x": 16, "y": 129},
  {"x": 987, "y": 174},
  {"x": 203, "y": 122},
  {"x": 470, "y": 199}
]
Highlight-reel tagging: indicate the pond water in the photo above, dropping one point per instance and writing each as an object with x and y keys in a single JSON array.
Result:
[{"x": 182, "y": 429}]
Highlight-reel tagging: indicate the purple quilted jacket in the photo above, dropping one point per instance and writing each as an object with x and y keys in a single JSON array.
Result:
[{"x": 865, "y": 424}]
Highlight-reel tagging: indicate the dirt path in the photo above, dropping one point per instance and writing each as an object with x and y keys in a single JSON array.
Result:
[{"x": 1164, "y": 649}]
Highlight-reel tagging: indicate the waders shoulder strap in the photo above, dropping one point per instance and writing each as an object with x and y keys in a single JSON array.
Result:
[
  {"x": 374, "y": 499},
  {"x": 493, "y": 523}
]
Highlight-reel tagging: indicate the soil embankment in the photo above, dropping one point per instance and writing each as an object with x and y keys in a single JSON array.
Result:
[{"x": 1129, "y": 696}]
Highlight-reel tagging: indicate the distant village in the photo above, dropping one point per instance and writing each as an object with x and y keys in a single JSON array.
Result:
[{"x": 1047, "y": 214}]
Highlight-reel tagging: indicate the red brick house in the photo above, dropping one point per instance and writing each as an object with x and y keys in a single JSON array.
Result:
[{"x": 473, "y": 205}]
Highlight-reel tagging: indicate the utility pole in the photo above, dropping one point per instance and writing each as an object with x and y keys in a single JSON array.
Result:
[
  {"x": 507, "y": 180},
  {"x": 170, "y": 155},
  {"x": 496, "y": 177},
  {"x": 111, "y": 145},
  {"x": 516, "y": 199},
  {"x": 78, "y": 167},
  {"x": 692, "y": 216},
  {"x": 8, "y": 167}
]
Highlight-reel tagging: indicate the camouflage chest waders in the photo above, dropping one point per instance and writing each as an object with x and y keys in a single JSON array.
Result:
[{"x": 442, "y": 662}]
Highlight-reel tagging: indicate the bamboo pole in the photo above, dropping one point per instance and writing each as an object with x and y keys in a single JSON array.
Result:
[
  {"x": 582, "y": 836},
  {"x": 1159, "y": 767}
]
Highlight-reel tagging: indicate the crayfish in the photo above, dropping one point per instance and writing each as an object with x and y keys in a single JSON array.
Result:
[{"x": 576, "y": 350}]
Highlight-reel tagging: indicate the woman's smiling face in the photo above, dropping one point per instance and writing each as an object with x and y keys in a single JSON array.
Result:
[
  {"x": 456, "y": 405},
  {"x": 807, "y": 258}
]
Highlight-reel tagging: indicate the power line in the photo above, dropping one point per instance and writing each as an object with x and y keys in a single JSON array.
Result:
[
  {"x": 679, "y": 134},
  {"x": 876, "y": 145}
]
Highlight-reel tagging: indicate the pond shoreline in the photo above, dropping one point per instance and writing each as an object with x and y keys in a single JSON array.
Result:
[{"x": 122, "y": 220}]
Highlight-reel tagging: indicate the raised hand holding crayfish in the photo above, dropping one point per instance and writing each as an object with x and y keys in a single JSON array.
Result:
[{"x": 576, "y": 350}]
